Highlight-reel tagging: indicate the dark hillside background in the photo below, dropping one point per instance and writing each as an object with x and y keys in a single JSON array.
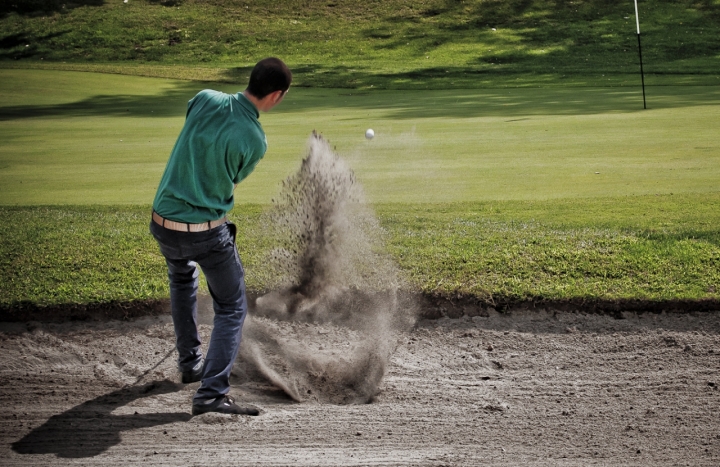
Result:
[{"x": 375, "y": 43}]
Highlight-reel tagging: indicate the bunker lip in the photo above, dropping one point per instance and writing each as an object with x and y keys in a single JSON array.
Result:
[
  {"x": 102, "y": 311},
  {"x": 431, "y": 306},
  {"x": 436, "y": 305}
]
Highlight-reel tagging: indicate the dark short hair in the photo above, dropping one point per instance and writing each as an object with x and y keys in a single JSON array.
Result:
[{"x": 269, "y": 75}]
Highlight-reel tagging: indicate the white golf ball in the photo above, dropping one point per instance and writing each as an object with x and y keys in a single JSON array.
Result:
[{"x": 369, "y": 133}]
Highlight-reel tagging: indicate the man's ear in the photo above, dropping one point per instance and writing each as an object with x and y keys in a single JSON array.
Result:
[
  {"x": 270, "y": 100},
  {"x": 277, "y": 96}
]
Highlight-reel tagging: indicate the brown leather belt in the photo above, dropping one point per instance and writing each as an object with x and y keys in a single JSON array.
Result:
[{"x": 183, "y": 227}]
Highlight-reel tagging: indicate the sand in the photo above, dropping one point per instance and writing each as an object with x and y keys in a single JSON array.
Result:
[{"x": 529, "y": 387}]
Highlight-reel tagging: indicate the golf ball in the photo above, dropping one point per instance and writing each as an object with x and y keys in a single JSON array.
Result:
[{"x": 369, "y": 133}]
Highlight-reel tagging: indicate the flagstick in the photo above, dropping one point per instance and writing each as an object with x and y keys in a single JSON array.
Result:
[{"x": 642, "y": 74}]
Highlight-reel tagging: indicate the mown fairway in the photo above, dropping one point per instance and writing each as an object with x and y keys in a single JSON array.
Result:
[{"x": 83, "y": 138}]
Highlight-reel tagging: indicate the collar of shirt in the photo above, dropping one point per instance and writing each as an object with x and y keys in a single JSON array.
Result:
[{"x": 245, "y": 102}]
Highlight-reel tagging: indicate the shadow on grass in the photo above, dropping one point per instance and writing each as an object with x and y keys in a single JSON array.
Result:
[
  {"x": 711, "y": 237},
  {"x": 44, "y": 7},
  {"x": 26, "y": 42},
  {"x": 499, "y": 102},
  {"x": 172, "y": 102},
  {"x": 457, "y": 103},
  {"x": 513, "y": 36},
  {"x": 595, "y": 33},
  {"x": 89, "y": 429}
]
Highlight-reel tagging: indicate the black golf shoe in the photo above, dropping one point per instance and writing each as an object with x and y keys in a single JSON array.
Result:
[
  {"x": 223, "y": 404},
  {"x": 194, "y": 375}
]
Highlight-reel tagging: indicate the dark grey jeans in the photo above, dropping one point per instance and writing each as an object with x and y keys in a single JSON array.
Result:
[{"x": 215, "y": 252}]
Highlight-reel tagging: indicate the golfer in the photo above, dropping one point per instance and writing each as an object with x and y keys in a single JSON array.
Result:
[{"x": 220, "y": 144}]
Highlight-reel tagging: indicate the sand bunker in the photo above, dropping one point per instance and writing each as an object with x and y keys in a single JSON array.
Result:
[{"x": 328, "y": 328}]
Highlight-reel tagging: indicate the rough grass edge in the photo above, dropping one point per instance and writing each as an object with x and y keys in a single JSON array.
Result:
[
  {"x": 430, "y": 305},
  {"x": 114, "y": 310}
]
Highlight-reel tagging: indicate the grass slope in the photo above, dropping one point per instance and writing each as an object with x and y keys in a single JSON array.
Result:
[
  {"x": 399, "y": 44},
  {"x": 648, "y": 248},
  {"x": 499, "y": 252}
]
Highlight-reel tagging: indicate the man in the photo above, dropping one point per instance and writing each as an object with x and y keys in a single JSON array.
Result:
[{"x": 220, "y": 144}]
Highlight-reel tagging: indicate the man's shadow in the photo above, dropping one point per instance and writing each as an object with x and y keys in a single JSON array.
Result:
[{"x": 90, "y": 429}]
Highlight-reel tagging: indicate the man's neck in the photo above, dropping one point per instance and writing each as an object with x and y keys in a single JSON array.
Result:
[{"x": 255, "y": 101}]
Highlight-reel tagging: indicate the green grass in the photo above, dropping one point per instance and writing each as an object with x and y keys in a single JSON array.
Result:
[
  {"x": 394, "y": 44},
  {"x": 84, "y": 138},
  {"x": 512, "y": 159},
  {"x": 89, "y": 255},
  {"x": 648, "y": 248},
  {"x": 84, "y": 254},
  {"x": 503, "y": 194}
]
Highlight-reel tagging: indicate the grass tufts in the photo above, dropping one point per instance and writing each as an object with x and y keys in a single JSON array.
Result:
[{"x": 510, "y": 251}]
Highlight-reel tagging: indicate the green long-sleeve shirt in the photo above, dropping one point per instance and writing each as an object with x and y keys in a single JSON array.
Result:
[{"x": 221, "y": 143}]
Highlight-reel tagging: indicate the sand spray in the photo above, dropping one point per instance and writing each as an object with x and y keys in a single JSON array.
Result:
[{"x": 331, "y": 323}]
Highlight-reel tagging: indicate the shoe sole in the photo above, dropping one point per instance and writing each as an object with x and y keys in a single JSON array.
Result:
[
  {"x": 239, "y": 411},
  {"x": 191, "y": 379}
]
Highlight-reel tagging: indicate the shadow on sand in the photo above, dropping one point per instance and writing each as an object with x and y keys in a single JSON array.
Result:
[{"x": 90, "y": 429}]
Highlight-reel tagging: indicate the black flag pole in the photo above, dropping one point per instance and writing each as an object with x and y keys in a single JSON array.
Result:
[{"x": 642, "y": 74}]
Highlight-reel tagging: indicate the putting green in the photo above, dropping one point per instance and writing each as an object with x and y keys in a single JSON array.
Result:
[{"x": 85, "y": 138}]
